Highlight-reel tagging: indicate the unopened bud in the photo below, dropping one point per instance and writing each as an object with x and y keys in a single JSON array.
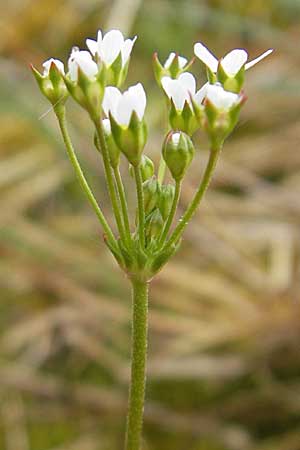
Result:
[{"x": 178, "y": 152}]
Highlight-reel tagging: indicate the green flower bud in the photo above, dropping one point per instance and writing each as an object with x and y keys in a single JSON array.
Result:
[
  {"x": 178, "y": 152},
  {"x": 154, "y": 224},
  {"x": 222, "y": 110},
  {"x": 85, "y": 82},
  {"x": 166, "y": 196},
  {"x": 173, "y": 66},
  {"x": 147, "y": 168},
  {"x": 151, "y": 190},
  {"x": 51, "y": 82}
]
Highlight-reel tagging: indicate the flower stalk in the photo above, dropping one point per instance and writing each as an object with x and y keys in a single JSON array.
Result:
[{"x": 93, "y": 79}]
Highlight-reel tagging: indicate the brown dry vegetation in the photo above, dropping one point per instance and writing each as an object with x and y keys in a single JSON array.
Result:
[{"x": 224, "y": 361}]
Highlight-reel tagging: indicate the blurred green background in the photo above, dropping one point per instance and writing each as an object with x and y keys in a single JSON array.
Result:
[{"x": 224, "y": 360}]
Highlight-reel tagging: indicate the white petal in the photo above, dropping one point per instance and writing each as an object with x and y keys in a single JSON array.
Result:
[
  {"x": 259, "y": 58},
  {"x": 125, "y": 109},
  {"x": 92, "y": 46},
  {"x": 234, "y": 61},
  {"x": 181, "y": 61},
  {"x": 175, "y": 138},
  {"x": 106, "y": 126},
  {"x": 138, "y": 98},
  {"x": 175, "y": 91},
  {"x": 206, "y": 56},
  {"x": 187, "y": 80},
  {"x": 83, "y": 60},
  {"x": 99, "y": 36},
  {"x": 111, "y": 99},
  {"x": 111, "y": 46},
  {"x": 126, "y": 49},
  {"x": 220, "y": 98},
  {"x": 201, "y": 94},
  {"x": 47, "y": 64}
]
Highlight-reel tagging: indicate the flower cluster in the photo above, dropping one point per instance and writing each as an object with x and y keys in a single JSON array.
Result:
[{"x": 93, "y": 78}]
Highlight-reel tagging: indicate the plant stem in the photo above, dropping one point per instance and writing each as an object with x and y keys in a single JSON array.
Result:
[
  {"x": 109, "y": 178},
  {"x": 161, "y": 171},
  {"x": 61, "y": 117},
  {"x": 123, "y": 202},
  {"x": 138, "y": 365},
  {"x": 186, "y": 217},
  {"x": 171, "y": 215},
  {"x": 140, "y": 199}
]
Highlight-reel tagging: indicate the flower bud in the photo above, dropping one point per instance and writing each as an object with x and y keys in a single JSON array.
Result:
[
  {"x": 85, "y": 82},
  {"x": 146, "y": 166},
  {"x": 173, "y": 66},
  {"x": 51, "y": 82},
  {"x": 126, "y": 113},
  {"x": 166, "y": 196},
  {"x": 154, "y": 224},
  {"x": 178, "y": 152},
  {"x": 114, "y": 52},
  {"x": 222, "y": 110},
  {"x": 151, "y": 189}
]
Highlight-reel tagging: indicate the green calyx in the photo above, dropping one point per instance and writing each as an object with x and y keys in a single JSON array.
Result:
[
  {"x": 132, "y": 139},
  {"x": 146, "y": 166},
  {"x": 231, "y": 83},
  {"x": 183, "y": 120},
  {"x": 178, "y": 152},
  {"x": 88, "y": 92},
  {"x": 165, "y": 200},
  {"x": 52, "y": 85},
  {"x": 151, "y": 190}
]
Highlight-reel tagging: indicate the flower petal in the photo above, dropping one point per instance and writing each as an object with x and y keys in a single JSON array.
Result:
[
  {"x": 111, "y": 99},
  {"x": 125, "y": 109},
  {"x": 92, "y": 46},
  {"x": 111, "y": 46},
  {"x": 106, "y": 126},
  {"x": 47, "y": 64},
  {"x": 259, "y": 58},
  {"x": 138, "y": 95},
  {"x": 187, "y": 80},
  {"x": 181, "y": 61},
  {"x": 234, "y": 61},
  {"x": 206, "y": 56},
  {"x": 82, "y": 59},
  {"x": 201, "y": 94},
  {"x": 127, "y": 48},
  {"x": 220, "y": 98},
  {"x": 175, "y": 91}
]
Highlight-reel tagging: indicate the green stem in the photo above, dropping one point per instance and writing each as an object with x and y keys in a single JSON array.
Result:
[
  {"x": 61, "y": 117},
  {"x": 186, "y": 217},
  {"x": 161, "y": 170},
  {"x": 138, "y": 365},
  {"x": 123, "y": 202},
  {"x": 171, "y": 215},
  {"x": 109, "y": 179},
  {"x": 141, "y": 209}
]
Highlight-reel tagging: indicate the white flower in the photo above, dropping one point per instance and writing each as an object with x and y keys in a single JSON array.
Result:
[
  {"x": 181, "y": 61},
  {"x": 181, "y": 90},
  {"x": 47, "y": 64},
  {"x": 220, "y": 98},
  {"x": 121, "y": 106},
  {"x": 109, "y": 47},
  {"x": 82, "y": 59},
  {"x": 106, "y": 126},
  {"x": 231, "y": 63}
]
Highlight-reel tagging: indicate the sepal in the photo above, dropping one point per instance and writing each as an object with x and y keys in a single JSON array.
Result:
[
  {"x": 132, "y": 139},
  {"x": 51, "y": 85}
]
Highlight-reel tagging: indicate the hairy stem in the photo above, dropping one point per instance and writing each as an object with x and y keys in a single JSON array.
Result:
[
  {"x": 171, "y": 215},
  {"x": 141, "y": 209},
  {"x": 138, "y": 365},
  {"x": 61, "y": 117},
  {"x": 110, "y": 179},
  {"x": 186, "y": 217},
  {"x": 123, "y": 202}
]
